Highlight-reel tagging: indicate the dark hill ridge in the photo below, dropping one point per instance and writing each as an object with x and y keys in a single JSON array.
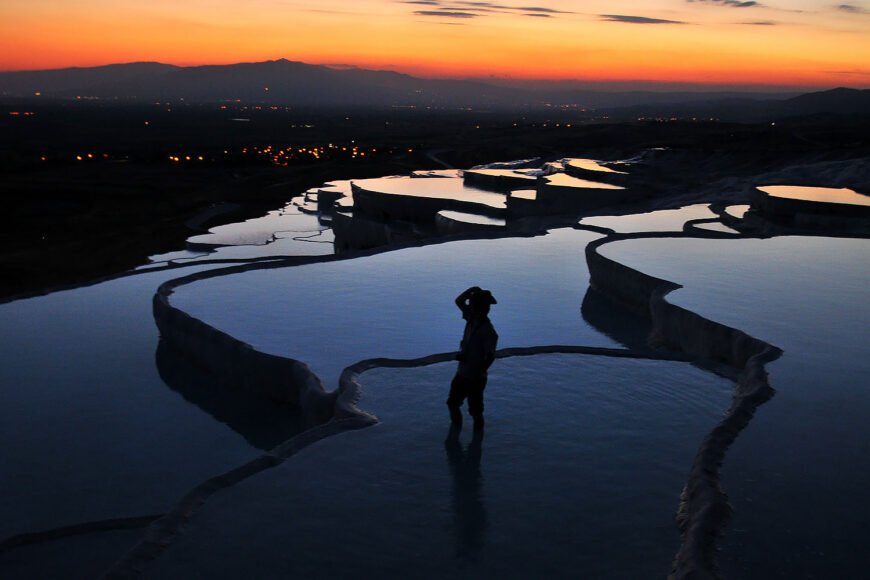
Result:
[
  {"x": 299, "y": 84},
  {"x": 71, "y": 81},
  {"x": 278, "y": 81},
  {"x": 839, "y": 100},
  {"x": 835, "y": 103}
]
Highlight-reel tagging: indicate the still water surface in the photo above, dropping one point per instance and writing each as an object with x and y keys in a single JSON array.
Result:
[
  {"x": 578, "y": 475},
  {"x": 89, "y": 428},
  {"x": 400, "y": 304},
  {"x": 798, "y": 473}
]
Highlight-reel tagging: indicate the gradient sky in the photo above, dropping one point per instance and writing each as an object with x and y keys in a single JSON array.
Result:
[{"x": 777, "y": 42}]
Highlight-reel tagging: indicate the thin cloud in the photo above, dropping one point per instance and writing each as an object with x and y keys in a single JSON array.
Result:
[
  {"x": 730, "y": 3},
  {"x": 504, "y": 7},
  {"x": 542, "y": 10},
  {"x": 850, "y": 73},
  {"x": 454, "y": 8},
  {"x": 760, "y": 23},
  {"x": 488, "y": 6},
  {"x": 626, "y": 19},
  {"x": 445, "y": 13},
  {"x": 852, "y": 9}
]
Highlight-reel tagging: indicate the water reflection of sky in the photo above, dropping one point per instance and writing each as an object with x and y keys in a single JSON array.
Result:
[
  {"x": 665, "y": 220},
  {"x": 89, "y": 430},
  {"x": 434, "y": 187},
  {"x": 512, "y": 173},
  {"x": 808, "y": 296},
  {"x": 716, "y": 227},
  {"x": 823, "y": 194},
  {"x": 565, "y": 180},
  {"x": 260, "y": 230},
  {"x": 95, "y": 428},
  {"x": 527, "y": 194},
  {"x": 582, "y": 462},
  {"x": 400, "y": 304},
  {"x": 471, "y": 218},
  {"x": 737, "y": 211},
  {"x": 591, "y": 165}
]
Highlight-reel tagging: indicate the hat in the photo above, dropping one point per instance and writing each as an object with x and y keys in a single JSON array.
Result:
[{"x": 482, "y": 297}]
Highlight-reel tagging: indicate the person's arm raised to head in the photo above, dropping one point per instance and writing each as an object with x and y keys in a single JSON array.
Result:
[{"x": 462, "y": 299}]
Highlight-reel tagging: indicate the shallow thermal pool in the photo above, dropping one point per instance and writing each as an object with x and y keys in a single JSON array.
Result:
[
  {"x": 663, "y": 220},
  {"x": 433, "y": 187},
  {"x": 400, "y": 303},
  {"x": 578, "y": 475},
  {"x": 286, "y": 232},
  {"x": 592, "y": 165},
  {"x": 471, "y": 218},
  {"x": 821, "y": 194},
  {"x": 261, "y": 230},
  {"x": 716, "y": 227},
  {"x": 737, "y": 211},
  {"x": 565, "y": 180},
  {"x": 797, "y": 473},
  {"x": 93, "y": 425},
  {"x": 519, "y": 175}
]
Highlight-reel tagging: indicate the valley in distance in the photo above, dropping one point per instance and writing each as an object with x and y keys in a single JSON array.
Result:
[{"x": 104, "y": 167}]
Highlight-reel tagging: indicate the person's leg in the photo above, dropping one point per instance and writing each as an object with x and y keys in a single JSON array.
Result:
[
  {"x": 458, "y": 392},
  {"x": 475, "y": 401}
]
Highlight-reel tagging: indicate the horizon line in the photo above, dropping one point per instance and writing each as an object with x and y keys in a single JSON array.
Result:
[{"x": 692, "y": 86}]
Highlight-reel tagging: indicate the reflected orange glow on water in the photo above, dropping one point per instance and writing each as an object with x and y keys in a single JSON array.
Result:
[{"x": 822, "y": 194}]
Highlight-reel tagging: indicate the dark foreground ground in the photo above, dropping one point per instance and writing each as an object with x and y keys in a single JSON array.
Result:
[{"x": 92, "y": 189}]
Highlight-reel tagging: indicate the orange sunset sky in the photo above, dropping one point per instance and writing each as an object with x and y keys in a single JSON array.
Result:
[{"x": 780, "y": 42}]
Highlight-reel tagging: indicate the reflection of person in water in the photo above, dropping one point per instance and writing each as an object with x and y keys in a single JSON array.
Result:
[
  {"x": 469, "y": 512},
  {"x": 476, "y": 353}
]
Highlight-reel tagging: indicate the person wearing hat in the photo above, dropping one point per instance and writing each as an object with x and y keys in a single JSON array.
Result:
[{"x": 476, "y": 353}]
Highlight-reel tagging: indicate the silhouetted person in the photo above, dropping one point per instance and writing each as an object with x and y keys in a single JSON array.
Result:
[
  {"x": 469, "y": 512},
  {"x": 476, "y": 353}
]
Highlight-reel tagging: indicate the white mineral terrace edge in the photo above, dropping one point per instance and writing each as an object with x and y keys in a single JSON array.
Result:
[{"x": 703, "y": 508}]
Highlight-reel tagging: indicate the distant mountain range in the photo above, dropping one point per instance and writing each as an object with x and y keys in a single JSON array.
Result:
[{"x": 298, "y": 84}]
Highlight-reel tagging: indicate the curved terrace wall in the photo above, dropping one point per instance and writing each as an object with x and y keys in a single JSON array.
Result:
[
  {"x": 673, "y": 325},
  {"x": 236, "y": 364},
  {"x": 704, "y": 508}
]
